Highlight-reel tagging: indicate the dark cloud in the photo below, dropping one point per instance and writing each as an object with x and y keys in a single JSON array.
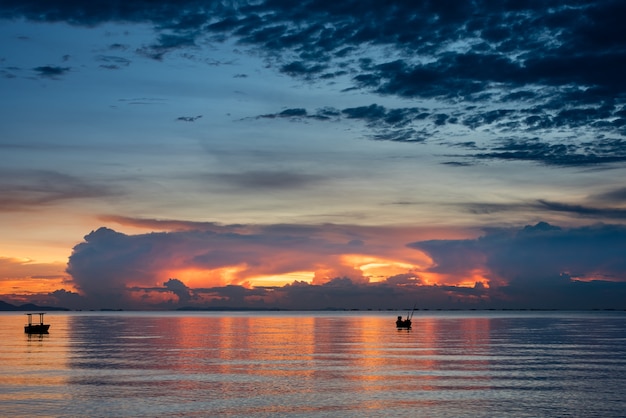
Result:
[
  {"x": 420, "y": 124},
  {"x": 188, "y": 118},
  {"x": 542, "y": 265},
  {"x": 595, "y": 152},
  {"x": 142, "y": 101},
  {"x": 68, "y": 299},
  {"x": 287, "y": 113},
  {"x": 50, "y": 71},
  {"x": 527, "y": 71},
  {"x": 179, "y": 289},
  {"x": 585, "y": 211},
  {"x": 301, "y": 69},
  {"x": 386, "y": 124}
]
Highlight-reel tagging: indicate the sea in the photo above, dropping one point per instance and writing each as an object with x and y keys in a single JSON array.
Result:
[{"x": 315, "y": 364}]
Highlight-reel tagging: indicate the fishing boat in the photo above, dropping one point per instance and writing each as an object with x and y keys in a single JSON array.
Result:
[
  {"x": 36, "y": 328},
  {"x": 405, "y": 323}
]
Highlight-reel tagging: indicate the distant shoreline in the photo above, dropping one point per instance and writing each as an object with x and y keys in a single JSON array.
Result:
[{"x": 7, "y": 307}]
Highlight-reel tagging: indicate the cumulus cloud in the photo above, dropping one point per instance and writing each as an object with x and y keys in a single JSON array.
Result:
[
  {"x": 109, "y": 266},
  {"x": 179, "y": 289},
  {"x": 540, "y": 266}
]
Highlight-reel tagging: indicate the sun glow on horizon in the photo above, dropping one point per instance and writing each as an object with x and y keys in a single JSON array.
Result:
[
  {"x": 29, "y": 276},
  {"x": 280, "y": 280},
  {"x": 469, "y": 280},
  {"x": 378, "y": 269},
  {"x": 198, "y": 278}
]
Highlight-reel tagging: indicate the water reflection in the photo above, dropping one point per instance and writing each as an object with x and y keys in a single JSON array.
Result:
[{"x": 172, "y": 364}]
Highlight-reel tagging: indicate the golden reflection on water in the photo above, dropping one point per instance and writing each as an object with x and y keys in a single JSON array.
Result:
[
  {"x": 355, "y": 349},
  {"x": 32, "y": 360},
  {"x": 245, "y": 364}
]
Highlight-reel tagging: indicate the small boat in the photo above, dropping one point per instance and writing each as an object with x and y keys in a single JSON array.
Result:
[
  {"x": 34, "y": 328},
  {"x": 405, "y": 323}
]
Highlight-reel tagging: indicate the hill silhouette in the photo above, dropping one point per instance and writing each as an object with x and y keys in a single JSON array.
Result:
[{"x": 4, "y": 306}]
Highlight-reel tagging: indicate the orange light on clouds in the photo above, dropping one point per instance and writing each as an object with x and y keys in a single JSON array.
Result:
[
  {"x": 200, "y": 278},
  {"x": 477, "y": 276},
  {"x": 593, "y": 277},
  {"x": 27, "y": 276},
  {"x": 467, "y": 280},
  {"x": 197, "y": 278},
  {"x": 377, "y": 269},
  {"x": 374, "y": 269},
  {"x": 282, "y": 279}
]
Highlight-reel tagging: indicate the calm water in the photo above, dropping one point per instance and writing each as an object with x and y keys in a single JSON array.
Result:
[{"x": 315, "y": 364}]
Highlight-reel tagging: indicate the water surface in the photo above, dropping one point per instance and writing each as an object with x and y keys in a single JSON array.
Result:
[{"x": 352, "y": 364}]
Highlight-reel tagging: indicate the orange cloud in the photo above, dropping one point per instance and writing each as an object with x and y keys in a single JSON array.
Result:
[
  {"x": 26, "y": 276},
  {"x": 197, "y": 278}
]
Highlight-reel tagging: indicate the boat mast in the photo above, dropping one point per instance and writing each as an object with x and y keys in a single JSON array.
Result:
[{"x": 412, "y": 311}]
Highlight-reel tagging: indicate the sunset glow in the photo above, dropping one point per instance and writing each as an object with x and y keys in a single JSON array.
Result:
[
  {"x": 281, "y": 280},
  {"x": 243, "y": 154}
]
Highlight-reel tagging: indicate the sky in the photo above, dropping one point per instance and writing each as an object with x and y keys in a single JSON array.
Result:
[{"x": 313, "y": 154}]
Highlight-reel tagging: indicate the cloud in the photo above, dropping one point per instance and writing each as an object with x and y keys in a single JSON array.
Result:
[
  {"x": 170, "y": 225},
  {"x": 611, "y": 196},
  {"x": 546, "y": 77},
  {"x": 595, "y": 152},
  {"x": 542, "y": 265},
  {"x": 264, "y": 180},
  {"x": 67, "y": 299},
  {"x": 111, "y": 62},
  {"x": 421, "y": 124},
  {"x": 585, "y": 211},
  {"x": 188, "y": 118},
  {"x": 179, "y": 289},
  {"x": 386, "y": 124},
  {"x": 24, "y": 280},
  {"x": 23, "y": 269},
  {"x": 109, "y": 266},
  {"x": 25, "y": 189},
  {"x": 51, "y": 71}
]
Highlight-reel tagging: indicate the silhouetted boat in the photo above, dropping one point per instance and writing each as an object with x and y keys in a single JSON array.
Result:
[
  {"x": 405, "y": 323},
  {"x": 34, "y": 328}
]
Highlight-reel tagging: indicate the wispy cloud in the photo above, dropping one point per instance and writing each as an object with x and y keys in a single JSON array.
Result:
[
  {"x": 188, "y": 118},
  {"x": 24, "y": 189},
  {"x": 264, "y": 180},
  {"x": 112, "y": 62}
]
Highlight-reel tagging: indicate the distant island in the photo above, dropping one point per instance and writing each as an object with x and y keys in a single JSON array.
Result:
[{"x": 28, "y": 307}]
